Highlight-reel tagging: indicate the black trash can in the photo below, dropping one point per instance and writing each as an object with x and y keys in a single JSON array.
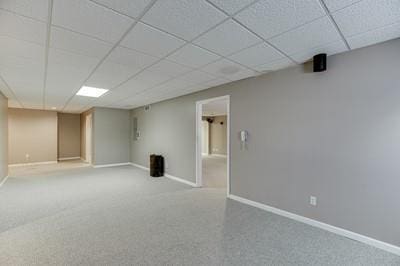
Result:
[{"x": 156, "y": 165}]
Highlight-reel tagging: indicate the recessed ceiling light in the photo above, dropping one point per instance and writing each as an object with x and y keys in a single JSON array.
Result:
[{"x": 91, "y": 92}]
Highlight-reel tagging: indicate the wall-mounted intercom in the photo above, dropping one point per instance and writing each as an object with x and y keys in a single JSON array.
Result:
[{"x": 244, "y": 135}]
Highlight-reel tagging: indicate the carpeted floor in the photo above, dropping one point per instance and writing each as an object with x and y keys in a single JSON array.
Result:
[
  {"x": 120, "y": 216},
  {"x": 214, "y": 171}
]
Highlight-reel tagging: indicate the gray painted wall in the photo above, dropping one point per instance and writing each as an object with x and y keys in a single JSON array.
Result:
[
  {"x": 334, "y": 135},
  {"x": 3, "y": 137},
  {"x": 111, "y": 136}
]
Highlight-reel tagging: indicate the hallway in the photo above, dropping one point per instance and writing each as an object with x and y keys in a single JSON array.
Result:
[{"x": 214, "y": 171}]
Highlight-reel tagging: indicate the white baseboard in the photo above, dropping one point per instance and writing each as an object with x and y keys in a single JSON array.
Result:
[
  {"x": 29, "y": 164},
  {"x": 140, "y": 166},
  {"x": 3, "y": 181},
  {"x": 69, "y": 158},
  {"x": 110, "y": 165},
  {"x": 168, "y": 176},
  {"x": 180, "y": 180},
  {"x": 333, "y": 229}
]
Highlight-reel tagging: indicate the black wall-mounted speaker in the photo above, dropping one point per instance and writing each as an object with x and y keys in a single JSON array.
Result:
[{"x": 319, "y": 63}]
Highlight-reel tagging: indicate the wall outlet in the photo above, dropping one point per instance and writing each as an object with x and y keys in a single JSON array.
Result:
[{"x": 313, "y": 200}]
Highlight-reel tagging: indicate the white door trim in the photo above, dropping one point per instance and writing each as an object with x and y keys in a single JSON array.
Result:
[{"x": 199, "y": 112}]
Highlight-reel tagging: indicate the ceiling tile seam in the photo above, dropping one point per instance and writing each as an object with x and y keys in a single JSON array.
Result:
[
  {"x": 112, "y": 49},
  {"x": 349, "y": 5},
  {"x": 373, "y": 29},
  {"x": 224, "y": 57},
  {"x": 204, "y": 48},
  {"x": 81, "y": 33},
  {"x": 172, "y": 78},
  {"x": 177, "y": 77},
  {"x": 322, "y": 3},
  {"x": 47, "y": 48},
  {"x": 12, "y": 92},
  {"x": 248, "y": 29},
  {"x": 112, "y": 9},
  {"x": 18, "y": 39},
  {"x": 228, "y": 17},
  {"x": 22, "y": 15}
]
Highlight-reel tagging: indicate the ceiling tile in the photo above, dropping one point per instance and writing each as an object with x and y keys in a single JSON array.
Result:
[
  {"x": 314, "y": 34},
  {"x": 138, "y": 84},
  {"x": 131, "y": 8},
  {"x": 37, "y": 9},
  {"x": 171, "y": 85},
  {"x": 168, "y": 68},
  {"x": 256, "y": 55},
  {"x": 184, "y": 18},
  {"x": 228, "y": 69},
  {"x": 78, "y": 43},
  {"x": 89, "y": 18},
  {"x": 13, "y": 104},
  {"x": 215, "y": 82},
  {"x": 375, "y": 36},
  {"x": 11, "y": 47},
  {"x": 68, "y": 59},
  {"x": 149, "y": 40},
  {"x": 334, "y": 5},
  {"x": 145, "y": 80},
  {"x": 227, "y": 38},
  {"x": 30, "y": 87},
  {"x": 131, "y": 58},
  {"x": 275, "y": 65},
  {"x": 231, "y": 6},
  {"x": 329, "y": 49},
  {"x": 193, "y": 56},
  {"x": 121, "y": 64},
  {"x": 22, "y": 28},
  {"x": 65, "y": 74},
  {"x": 109, "y": 75},
  {"x": 5, "y": 90},
  {"x": 367, "y": 15},
  {"x": 197, "y": 77},
  {"x": 269, "y": 18},
  {"x": 78, "y": 102}
]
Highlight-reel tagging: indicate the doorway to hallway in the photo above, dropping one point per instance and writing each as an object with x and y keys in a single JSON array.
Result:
[{"x": 212, "y": 145}]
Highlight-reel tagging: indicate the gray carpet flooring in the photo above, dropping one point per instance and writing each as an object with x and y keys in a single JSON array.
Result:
[{"x": 120, "y": 216}]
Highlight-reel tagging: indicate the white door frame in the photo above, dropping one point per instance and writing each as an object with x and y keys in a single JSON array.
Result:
[
  {"x": 88, "y": 138},
  {"x": 199, "y": 163}
]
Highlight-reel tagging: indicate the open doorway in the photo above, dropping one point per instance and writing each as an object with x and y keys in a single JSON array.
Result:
[{"x": 212, "y": 147}]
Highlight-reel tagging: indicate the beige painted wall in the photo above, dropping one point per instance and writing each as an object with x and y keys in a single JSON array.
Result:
[
  {"x": 3, "y": 137},
  {"x": 218, "y": 137},
  {"x": 69, "y": 135},
  {"x": 32, "y": 133}
]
